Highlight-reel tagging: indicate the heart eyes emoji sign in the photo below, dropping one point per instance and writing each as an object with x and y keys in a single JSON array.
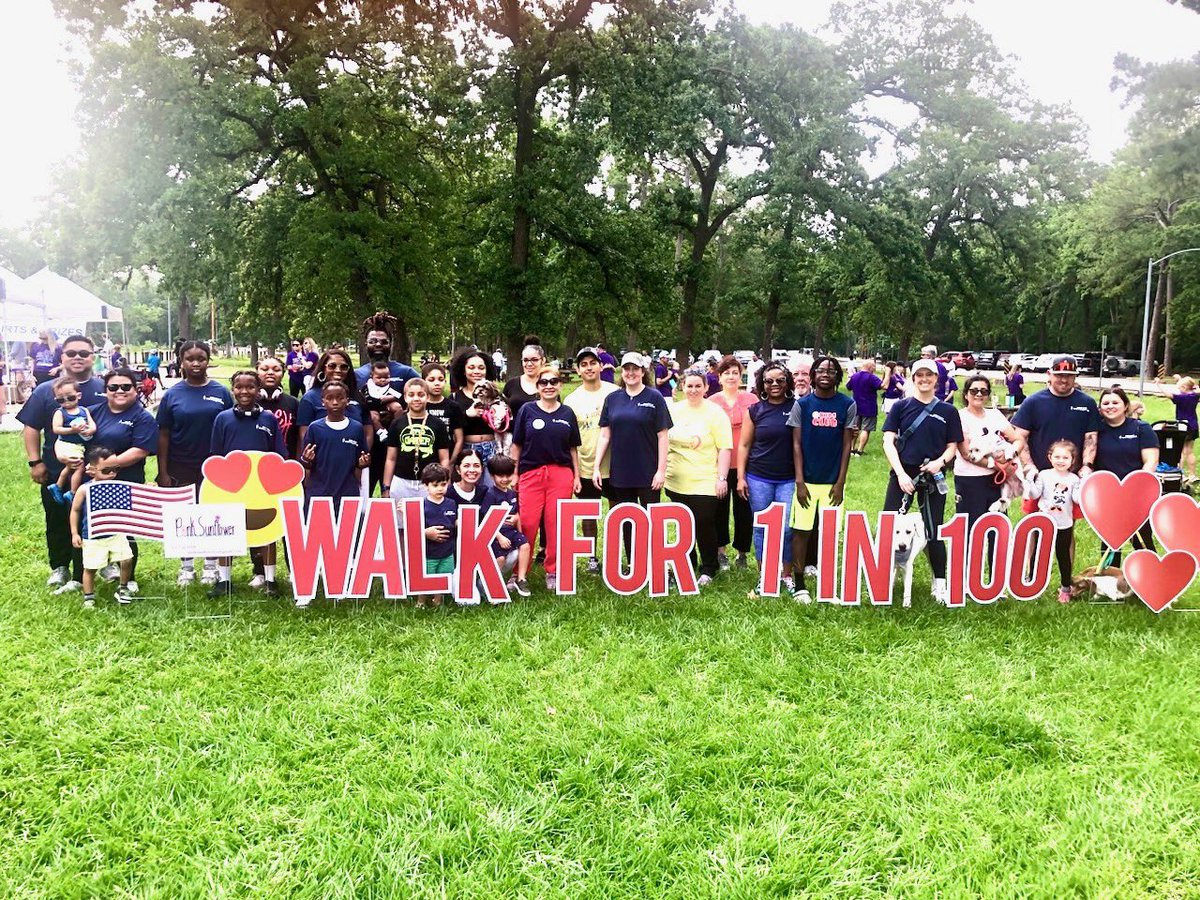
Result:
[{"x": 258, "y": 481}]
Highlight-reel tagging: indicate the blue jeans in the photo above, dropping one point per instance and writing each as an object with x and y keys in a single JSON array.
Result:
[{"x": 762, "y": 494}]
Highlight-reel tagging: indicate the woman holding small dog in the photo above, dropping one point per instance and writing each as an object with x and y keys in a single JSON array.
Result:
[
  {"x": 920, "y": 438},
  {"x": 1123, "y": 445},
  {"x": 467, "y": 370},
  {"x": 989, "y": 443}
]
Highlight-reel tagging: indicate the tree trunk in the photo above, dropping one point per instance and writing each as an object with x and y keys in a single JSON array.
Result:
[
  {"x": 572, "y": 338},
  {"x": 775, "y": 294},
  {"x": 524, "y": 105},
  {"x": 184, "y": 325},
  {"x": 822, "y": 323},
  {"x": 253, "y": 352},
  {"x": 1151, "y": 350},
  {"x": 903, "y": 350}
]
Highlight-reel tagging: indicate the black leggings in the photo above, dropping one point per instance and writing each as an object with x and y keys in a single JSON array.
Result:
[
  {"x": 642, "y": 496},
  {"x": 936, "y": 503},
  {"x": 743, "y": 530},
  {"x": 1064, "y": 544},
  {"x": 1142, "y": 540},
  {"x": 974, "y": 495},
  {"x": 704, "y": 511}
]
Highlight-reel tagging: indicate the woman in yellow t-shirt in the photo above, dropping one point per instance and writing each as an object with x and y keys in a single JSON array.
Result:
[{"x": 700, "y": 443}]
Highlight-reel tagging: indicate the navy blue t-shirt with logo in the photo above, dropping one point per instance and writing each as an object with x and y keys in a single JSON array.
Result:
[
  {"x": 311, "y": 408},
  {"x": 634, "y": 424},
  {"x": 444, "y": 514},
  {"x": 123, "y": 431},
  {"x": 1119, "y": 449},
  {"x": 188, "y": 412},
  {"x": 334, "y": 473},
  {"x": 822, "y": 422},
  {"x": 1049, "y": 418},
  {"x": 234, "y": 430},
  {"x": 545, "y": 439},
  {"x": 38, "y": 412},
  {"x": 771, "y": 452},
  {"x": 941, "y": 427}
]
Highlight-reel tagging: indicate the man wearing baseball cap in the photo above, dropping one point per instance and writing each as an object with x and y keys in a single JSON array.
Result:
[
  {"x": 586, "y": 401},
  {"x": 1059, "y": 412}
]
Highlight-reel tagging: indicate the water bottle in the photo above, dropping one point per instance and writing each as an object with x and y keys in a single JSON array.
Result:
[{"x": 939, "y": 481}]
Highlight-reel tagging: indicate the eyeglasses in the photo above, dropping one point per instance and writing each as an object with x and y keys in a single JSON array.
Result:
[
  {"x": 548, "y": 382},
  {"x": 71, "y": 398},
  {"x": 118, "y": 388},
  {"x": 979, "y": 392},
  {"x": 77, "y": 354},
  {"x": 295, "y": 345},
  {"x": 774, "y": 381},
  {"x": 531, "y": 359},
  {"x": 108, "y": 470},
  {"x": 337, "y": 367}
]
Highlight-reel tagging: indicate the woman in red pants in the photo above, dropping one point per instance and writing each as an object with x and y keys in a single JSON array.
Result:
[{"x": 546, "y": 447}]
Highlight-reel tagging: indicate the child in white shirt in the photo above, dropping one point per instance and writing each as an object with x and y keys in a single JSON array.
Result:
[{"x": 1057, "y": 491}]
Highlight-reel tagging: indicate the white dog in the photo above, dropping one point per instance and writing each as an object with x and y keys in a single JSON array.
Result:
[
  {"x": 908, "y": 541},
  {"x": 1000, "y": 456}
]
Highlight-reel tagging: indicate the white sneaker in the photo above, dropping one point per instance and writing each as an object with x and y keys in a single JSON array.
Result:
[
  {"x": 802, "y": 596},
  {"x": 257, "y": 581},
  {"x": 704, "y": 581},
  {"x": 208, "y": 576},
  {"x": 110, "y": 572},
  {"x": 941, "y": 593},
  {"x": 593, "y": 565},
  {"x": 89, "y": 604},
  {"x": 788, "y": 582},
  {"x": 810, "y": 571},
  {"x": 186, "y": 577},
  {"x": 302, "y": 602},
  {"x": 68, "y": 587},
  {"x": 133, "y": 586},
  {"x": 58, "y": 576}
]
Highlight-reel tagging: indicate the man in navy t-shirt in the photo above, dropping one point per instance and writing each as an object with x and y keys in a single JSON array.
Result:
[
  {"x": 1060, "y": 412},
  {"x": 78, "y": 354},
  {"x": 379, "y": 347}
]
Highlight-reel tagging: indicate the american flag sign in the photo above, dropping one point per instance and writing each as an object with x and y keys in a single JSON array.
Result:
[{"x": 119, "y": 507}]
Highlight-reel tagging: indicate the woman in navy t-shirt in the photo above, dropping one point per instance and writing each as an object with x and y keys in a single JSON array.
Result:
[
  {"x": 633, "y": 425},
  {"x": 1123, "y": 445},
  {"x": 766, "y": 467},
  {"x": 334, "y": 365},
  {"x": 546, "y": 447}
]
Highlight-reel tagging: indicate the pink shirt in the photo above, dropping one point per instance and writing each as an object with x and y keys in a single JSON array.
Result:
[{"x": 744, "y": 401}]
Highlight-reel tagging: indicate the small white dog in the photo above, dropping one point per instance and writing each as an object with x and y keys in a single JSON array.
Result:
[
  {"x": 1000, "y": 457},
  {"x": 907, "y": 543}
]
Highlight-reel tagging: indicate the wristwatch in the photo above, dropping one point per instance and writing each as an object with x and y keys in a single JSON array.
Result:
[{"x": 35, "y": 462}]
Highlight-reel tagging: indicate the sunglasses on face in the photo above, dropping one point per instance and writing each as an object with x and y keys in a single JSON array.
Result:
[
  {"x": 295, "y": 345},
  {"x": 77, "y": 354},
  {"x": 118, "y": 388},
  {"x": 337, "y": 367},
  {"x": 774, "y": 381},
  {"x": 548, "y": 382},
  {"x": 107, "y": 470},
  {"x": 71, "y": 398},
  {"x": 979, "y": 392}
]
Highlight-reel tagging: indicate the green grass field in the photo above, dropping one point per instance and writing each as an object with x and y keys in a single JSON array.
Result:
[{"x": 589, "y": 746}]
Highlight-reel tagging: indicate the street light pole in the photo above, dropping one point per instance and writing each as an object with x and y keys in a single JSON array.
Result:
[{"x": 1146, "y": 361}]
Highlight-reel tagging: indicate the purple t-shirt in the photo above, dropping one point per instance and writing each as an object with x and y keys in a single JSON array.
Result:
[
  {"x": 1185, "y": 408},
  {"x": 895, "y": 387},
  {"x": 607, "y": 359},
  {"x": 661, "y": 371},
  {"x": 1014, "y": 382},
  {"x": 864, "y": 387}
]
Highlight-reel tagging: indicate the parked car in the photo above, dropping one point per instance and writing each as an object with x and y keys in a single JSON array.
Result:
[
  {"x": 1121, "y": 365},
  {"x": 985, "y": 359},
  {"x": 962, "y": 359},
  {"x": 1024, "y": 360},
  {"x": 1042, "y": 363}
]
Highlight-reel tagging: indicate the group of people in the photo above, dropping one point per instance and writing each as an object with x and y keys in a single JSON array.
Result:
[{"x": 447, "y": 434}]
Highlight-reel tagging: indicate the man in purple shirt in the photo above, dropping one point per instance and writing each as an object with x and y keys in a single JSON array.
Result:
[
  {"x": 608, "y": 364},
  {"x": 864, "y": 387}
]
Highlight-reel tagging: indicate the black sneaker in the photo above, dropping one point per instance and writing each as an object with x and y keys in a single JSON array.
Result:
[
  {"x": 522, "y": 587},
  {"x": 270, "y": 589},
  {"x": 221, "y": 589}
]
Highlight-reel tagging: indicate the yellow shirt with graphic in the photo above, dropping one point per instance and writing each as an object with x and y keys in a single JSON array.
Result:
[
  {"x": 693, "y": 469},
  {"x": 586, "y": 406}
]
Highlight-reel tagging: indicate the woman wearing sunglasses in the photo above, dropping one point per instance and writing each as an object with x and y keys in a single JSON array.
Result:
[
  {"x": 766, "y": 467},
  {"x": 987, "y": 436},
  {"x": 185, "y": 427},
  {"x": 298, "y": 366},
  {"x": 125, "y": 427},
  {"x": 546, "y": 449},
  {"x": 333, "y": 365}
]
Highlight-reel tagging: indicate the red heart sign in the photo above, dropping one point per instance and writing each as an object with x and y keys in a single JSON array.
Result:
[
  {"x": 229, "y": 473},
  {"x": 1158, "y": 582},
  {"x": 1176, "y": 521},
  {"x": 1117, "y": 509},
  {"x": 278, "y": 474}
]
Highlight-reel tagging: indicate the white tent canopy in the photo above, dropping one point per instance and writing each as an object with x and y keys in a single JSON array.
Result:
[
  {"x": 65, "y": 299},
  {"x": 45, "y": 300},
  {"x": 22, "y": 312}
]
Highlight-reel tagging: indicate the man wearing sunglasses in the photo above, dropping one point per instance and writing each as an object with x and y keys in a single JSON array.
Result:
[{"x": 78, "y": 354}]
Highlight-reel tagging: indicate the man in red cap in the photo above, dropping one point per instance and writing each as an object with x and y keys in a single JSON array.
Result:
[{"x": 1060, "y": 412}]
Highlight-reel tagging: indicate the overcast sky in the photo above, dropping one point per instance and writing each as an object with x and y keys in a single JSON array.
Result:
[{"x": 1063, "y": 48}]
